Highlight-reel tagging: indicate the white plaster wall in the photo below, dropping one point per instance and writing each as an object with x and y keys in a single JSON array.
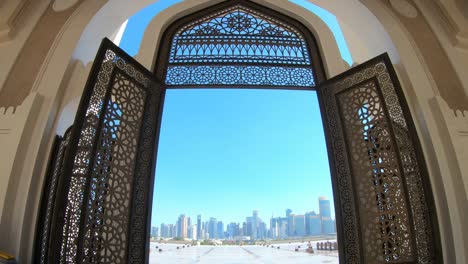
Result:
[
  {"x": 455, "y": 41},
  {"x": 10, "y": 49},
  {"x": 12, "y": 125},
  {"x": 53, "y": 83}
]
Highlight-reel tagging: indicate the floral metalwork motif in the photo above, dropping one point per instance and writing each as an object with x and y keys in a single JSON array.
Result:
[
  {"x": 257, "y": 50},
  {"x": 366, "y": 120},
  {"x": 111, "y": 164}
]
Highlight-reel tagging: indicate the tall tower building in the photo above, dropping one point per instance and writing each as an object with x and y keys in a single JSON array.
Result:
[
  {"x": 299, "y": 225},
  {"x": 274, "y": 228},
  {"x": 313, "y": 224},
  {"x": 288, "y": 212},
  {"x": 220, "y": 230},
  {"x": 212, "y": 228},
  {"x": 291, "y": 227},
  {"x": 254, "y": 224},
  {"x": 325, "y": 215},
  {"x": 324, "y": 206},
  {"x": 182, "y": 226},
  {"x": 199, "y": 227}
]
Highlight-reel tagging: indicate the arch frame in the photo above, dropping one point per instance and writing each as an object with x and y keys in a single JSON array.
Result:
[
  {"x": 442, "y": 160},
  {"x": 162, "y": 57},
  {"x": 354, "y": 246}
]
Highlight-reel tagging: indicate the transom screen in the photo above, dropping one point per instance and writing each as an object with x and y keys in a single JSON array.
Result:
[{"x": 239, "y": 46}]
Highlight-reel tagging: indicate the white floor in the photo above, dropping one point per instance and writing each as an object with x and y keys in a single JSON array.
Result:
[{"x": 239, "y": 254}]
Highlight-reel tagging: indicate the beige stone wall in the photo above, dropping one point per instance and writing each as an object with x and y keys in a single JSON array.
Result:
[{"x": 430, "y": 64}]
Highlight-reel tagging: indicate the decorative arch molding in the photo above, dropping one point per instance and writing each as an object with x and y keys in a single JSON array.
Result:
[
  {"x": 417, "y": 90},
  {"x": 331, "y": 58}
]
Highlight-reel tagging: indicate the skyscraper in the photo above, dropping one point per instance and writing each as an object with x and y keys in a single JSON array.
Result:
[
  {"x": 199, "y": 227},
  {"x": 212, "y": 228},
  {"x": 154, "y": 231},
  {"x": 291, "y": 227},
  {"x": 313, "y": 224},
  {"x": 233, "y": 230},
  {"x": 164, "y": 230},
  {"x": 182, "y": 225},
  {"x": 261, "y": 230},
  {"x": 325, "y": 216},
  {"x": 220, "y": 230},
  {"x": 299, "y": 225},
  {"x": 274, "y": 228},
  {"x": 254, "y": 224},
  {"x": 288, "y": 212},
  {"x": 324, "y": 206}
]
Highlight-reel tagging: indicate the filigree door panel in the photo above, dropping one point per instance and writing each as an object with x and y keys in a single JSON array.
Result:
[
  {"x": 53, "y": 174},
  {"x": 108, "y": 166},
  {"x": 380, "y": 174}
]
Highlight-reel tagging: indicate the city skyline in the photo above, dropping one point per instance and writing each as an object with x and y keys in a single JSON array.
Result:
[
  {"x": 194, "y": 218},
  {"x": 223, "y": 152},
  {"x": 290, "y": 224}
]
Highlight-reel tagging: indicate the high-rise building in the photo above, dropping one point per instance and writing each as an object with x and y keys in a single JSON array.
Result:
[
  {"x": 283, "y": 227},
  {"x": 325, "y": 215},
  {"x": 254, "y": 224},
  {"x": 299, "y": 226},
  {"x": 173, "y": 229},
  {"x": 192, "y": 232},
  {"x": 324, "y": 207},
  {"x": 233, "y": 230},
  {"x": 248, "y": 227},
  {"x": 220, "y": 230},
  {"x": 261, "y": 230},
  {"x": 199, "y": 227},
  {"x": 274, "y": 228},
  {"x": 291, "y": 227},
  {"x": 313, "y": 224},
  {"x": 154, "y": 231},
  {"x": 164, "y": 230},
  {"x": 212, "y": 228},
  {"x": 182, "y": 225}
]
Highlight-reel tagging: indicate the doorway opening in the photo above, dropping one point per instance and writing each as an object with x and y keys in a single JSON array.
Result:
[
  {"x": 232, "y": 45},
  {"x": 384, "y": 208},
  {"x": 242, "y": 172}
]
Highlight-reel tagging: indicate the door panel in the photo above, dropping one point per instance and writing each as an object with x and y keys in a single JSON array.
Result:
[
  {"x": 103, "y": 205},
  {"x": 385, "y": 204},
  {"x": 46, "y": 209}
]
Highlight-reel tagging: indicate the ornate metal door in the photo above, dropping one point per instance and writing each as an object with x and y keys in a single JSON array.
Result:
[
  {"x": 380, "y": 178},
  {"x": 103, "y": 197}
]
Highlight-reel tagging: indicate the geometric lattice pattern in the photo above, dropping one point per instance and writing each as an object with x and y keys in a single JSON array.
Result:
[
  {"x": 48, "y": 203},
  {"x": 239, "y": 46},
  {"x": 378, "y": 180},
  {"x": 110, "y": 188},
  {"x": 366, "y": 120},
  {"x": 240, "y": 35},
  {"x": 239, "y": 75},
  {"x": 111, "y": 164}
]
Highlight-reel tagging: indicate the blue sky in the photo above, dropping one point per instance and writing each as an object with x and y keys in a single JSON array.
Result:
[{"x": 225, "y": 152}]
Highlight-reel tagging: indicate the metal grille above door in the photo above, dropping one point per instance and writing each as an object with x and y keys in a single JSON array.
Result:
[
  {"x": 103, "y": 204},
  {"x": 385, "y": 202},
  {"x": 239, "y": 44}
]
